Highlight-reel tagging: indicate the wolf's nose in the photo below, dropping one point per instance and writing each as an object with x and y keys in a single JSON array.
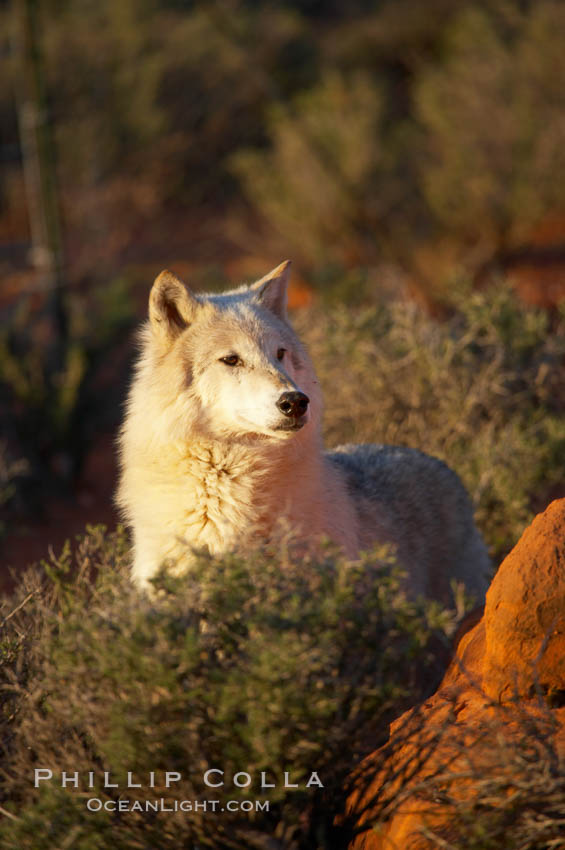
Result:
[{"x": 293, "y": 404}]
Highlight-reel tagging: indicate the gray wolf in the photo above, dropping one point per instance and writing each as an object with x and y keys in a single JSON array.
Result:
[{"x": 222, "y": 440}]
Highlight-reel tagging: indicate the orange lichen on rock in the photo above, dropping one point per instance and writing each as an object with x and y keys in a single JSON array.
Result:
[{"x": 508, "y": 671}]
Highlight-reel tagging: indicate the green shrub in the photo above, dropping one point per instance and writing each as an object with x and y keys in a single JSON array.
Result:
[
  {"x": 317, "y": 186},
  {"x": 492, "y": 113},
  {"x": 269, "y": 663}
]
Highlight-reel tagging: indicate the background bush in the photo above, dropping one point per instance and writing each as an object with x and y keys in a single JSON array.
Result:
[{"x": 354, "y": 134}]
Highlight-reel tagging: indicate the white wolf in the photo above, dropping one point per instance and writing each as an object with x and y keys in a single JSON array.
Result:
[{"x": 222, "y": 439}]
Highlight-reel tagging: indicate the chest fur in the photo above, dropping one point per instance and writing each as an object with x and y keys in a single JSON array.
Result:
[{"x": 221, "y": 500}]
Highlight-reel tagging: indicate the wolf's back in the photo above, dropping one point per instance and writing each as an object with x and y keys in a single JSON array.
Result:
[{"x": 416, "y": 502}]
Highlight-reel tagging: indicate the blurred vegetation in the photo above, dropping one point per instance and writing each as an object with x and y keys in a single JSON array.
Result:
[
  {"x": 494, "y": 119},
  {"x": 10, "y": 471},
  {"x": 354, "y": 133},
  {"x": 51, "y": 411},
  {"x": 269, "y": 663}
]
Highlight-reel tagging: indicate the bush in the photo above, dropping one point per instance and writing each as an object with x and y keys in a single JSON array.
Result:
[
  {"x": 269, "y": 663},
  {"x": 493, "y": 120},
  {"x": 55, "y": 380},
  {"x": 328, "y": 185},
  {"x": 10, "y": 471}
]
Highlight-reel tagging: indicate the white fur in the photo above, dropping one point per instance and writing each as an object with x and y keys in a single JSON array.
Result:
[{"x": 203, "y": 464}]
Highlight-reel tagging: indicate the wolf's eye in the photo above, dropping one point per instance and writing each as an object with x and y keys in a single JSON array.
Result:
[
  {"x": 231, "y": 360},
  {"x": 281, "y": 353}
]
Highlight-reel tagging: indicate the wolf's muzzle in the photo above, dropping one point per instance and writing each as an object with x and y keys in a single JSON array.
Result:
[{"x": 293, "y": 404}]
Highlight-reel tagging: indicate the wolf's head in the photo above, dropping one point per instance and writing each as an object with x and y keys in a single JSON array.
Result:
[{"x": 228, "y": 366}]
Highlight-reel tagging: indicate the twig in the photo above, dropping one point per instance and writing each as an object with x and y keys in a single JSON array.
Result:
[
  {"x": 9, "y": 814},
  {"x": 19, "y": 607}
]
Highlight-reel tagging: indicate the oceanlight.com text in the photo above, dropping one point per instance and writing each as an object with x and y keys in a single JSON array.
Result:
[{"x": 95, "y": 804}]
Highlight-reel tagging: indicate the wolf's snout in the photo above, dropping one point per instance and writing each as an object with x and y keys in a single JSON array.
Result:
[{"x": 293, "y": 403}]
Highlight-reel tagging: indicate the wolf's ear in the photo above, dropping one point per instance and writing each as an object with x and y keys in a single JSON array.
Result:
[
  {"x": 172, "y": 307},
  {"x": 271, "y": 290}
]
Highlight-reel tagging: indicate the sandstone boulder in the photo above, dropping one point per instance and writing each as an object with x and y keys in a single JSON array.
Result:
[{"x": 501, "y": 702}]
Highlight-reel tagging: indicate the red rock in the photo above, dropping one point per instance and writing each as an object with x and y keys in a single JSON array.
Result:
[
  {"x": 502, "y": 666},
  {"x": 525, "y": 612}
]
